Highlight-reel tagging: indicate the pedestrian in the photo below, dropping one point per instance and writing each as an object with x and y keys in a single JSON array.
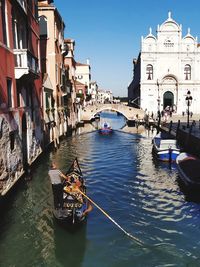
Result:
[
  {"x": 191, "y": 114},
  {"x": 193, "y": 123},
  {"x": 183, "y": 113},
  {"x": 166, "y": 116}
]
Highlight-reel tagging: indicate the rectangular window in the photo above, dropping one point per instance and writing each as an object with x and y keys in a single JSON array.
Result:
[
  {"x": 28, "y": 94},
  {"x": 36, "y": 9},
  {"x": 18, "y": 97},
  {"x": 52, "y": 101},
  {"x": 65, "y": 101},
  {"x": 9, "y": 93},
  {"x": 47, "y": 102},
  {"x": 4, "y": 20},
  {"x": 12, "y": 140},
  {"x": 56, "y": 74}
]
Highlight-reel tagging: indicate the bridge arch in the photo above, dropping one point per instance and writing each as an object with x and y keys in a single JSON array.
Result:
[
  {"x": 110, "y": 109},
  {"x": 129, "y": 113}
]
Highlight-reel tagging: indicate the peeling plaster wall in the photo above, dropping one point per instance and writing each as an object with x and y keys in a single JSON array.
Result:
[{"x": 11, "y": 167}]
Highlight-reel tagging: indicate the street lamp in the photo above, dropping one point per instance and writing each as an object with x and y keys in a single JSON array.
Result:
[
  {"x": 159, "y": 114},
  {"x": 188, "y": 100},
  {"x": 159, "y": 103}
]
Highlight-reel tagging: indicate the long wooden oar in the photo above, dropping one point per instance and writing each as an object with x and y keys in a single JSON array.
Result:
[{"x": 108, "y": 216}]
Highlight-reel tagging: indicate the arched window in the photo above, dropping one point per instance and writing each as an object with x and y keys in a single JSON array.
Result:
[
  {"x": 149, "y": 72},
  {"x": 43, "y": 26},
  {"x": 187, "y": 72}
]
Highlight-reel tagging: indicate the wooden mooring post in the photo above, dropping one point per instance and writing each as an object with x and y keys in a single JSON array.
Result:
[
  {"x": 170, "y": 127},
  {"x": 177, "y": 129}
]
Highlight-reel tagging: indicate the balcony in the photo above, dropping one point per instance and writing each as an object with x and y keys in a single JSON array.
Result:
[
  {"x": 25, "y": 64},
  {"x": 65, "y": 49}
]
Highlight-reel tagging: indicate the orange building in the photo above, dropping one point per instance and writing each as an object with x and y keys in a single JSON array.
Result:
[{"x": 53, "y": 52}]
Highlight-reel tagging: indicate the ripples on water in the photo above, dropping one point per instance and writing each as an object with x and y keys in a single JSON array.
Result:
[{"x": 142, "y": 195}]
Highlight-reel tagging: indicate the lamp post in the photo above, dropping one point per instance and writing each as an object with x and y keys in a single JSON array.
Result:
[
  {"x": 159, "y": 114},
  {"x": 158, "y": 103},
  {"x": 188, "y": 100}
]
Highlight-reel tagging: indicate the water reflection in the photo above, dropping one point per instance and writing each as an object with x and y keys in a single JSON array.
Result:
[
  {"x": 141, "y": 194},
  {"x": 88, "y": 128},
  {"x": 70, "y": 246},
  {"x": 161, "y": 165},
  {"x": 116, "y": 122}
]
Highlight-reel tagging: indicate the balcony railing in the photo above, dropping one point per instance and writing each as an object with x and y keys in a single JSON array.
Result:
[{"x": 25, "y": 63}]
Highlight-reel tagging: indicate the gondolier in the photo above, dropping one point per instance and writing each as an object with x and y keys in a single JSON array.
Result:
[
  {"x": 70, "y": 203},
  {"x": 54, "y": 172}
]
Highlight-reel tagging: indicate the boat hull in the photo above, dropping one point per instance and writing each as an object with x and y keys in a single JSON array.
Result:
[
  {"x": 105, "y": 131},
  {"x": 166, "y": 155},
  {"x": 165, "y": 148},
  {"x": 69, "y": 217},
  {"x": 189, "y": 169}
]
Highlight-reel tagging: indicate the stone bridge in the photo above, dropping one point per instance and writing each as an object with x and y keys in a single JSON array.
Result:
[{"x": 129, "y": 113}]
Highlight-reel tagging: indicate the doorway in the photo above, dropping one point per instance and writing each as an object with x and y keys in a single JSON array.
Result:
[
  {"x": 24, "y": 141},
  {"x": 168, "y": 99}
]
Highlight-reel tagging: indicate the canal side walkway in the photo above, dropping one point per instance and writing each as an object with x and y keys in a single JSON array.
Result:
[{"x": 188, "y": 137}]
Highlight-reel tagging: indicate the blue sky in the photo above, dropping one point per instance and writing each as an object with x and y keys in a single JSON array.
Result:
[{"x": 108, "y": 32}]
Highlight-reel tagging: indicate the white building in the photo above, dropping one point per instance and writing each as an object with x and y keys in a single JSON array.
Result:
[
  {"x": 167, "y": 68},
  {"x": 94, "y": 92},
  {"x": 104, "y": 96},
  {"x": 83, "y": 74}
]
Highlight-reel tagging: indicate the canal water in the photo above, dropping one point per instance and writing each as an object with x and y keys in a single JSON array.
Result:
[{"x": 142, "y": 195}]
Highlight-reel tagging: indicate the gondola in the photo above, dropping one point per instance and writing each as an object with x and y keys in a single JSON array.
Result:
[
  {"x": 69, "y": 203},
  {"x": 189, "y": 169},
  {"x": 97, "y": 116}
]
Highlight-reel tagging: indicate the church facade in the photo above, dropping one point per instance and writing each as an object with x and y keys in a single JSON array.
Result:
[{"x": 167, "y": 71}]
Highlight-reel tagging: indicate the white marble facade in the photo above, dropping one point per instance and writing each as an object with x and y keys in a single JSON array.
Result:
[{"x": 167, "y": 68}]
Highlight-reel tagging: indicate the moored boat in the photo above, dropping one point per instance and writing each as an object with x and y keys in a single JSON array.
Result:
[
  {"x": 165, "y": 148},
  {"x": 105, "y": 129},
  {"x": 97, "y": 116},
  {"x": 70, "y": 203},
  {"x": 189, "y": 169}
]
